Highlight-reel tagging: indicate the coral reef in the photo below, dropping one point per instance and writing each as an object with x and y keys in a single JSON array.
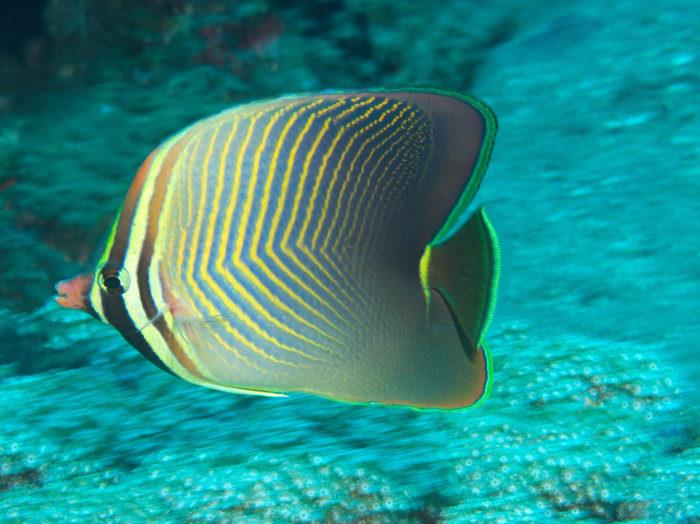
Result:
[
  {"x": 593, "y": 189},
  {"x": 566, "y": 434}
]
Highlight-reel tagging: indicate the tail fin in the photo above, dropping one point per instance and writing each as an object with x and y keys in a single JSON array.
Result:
[{"x": 463, "y": 270}]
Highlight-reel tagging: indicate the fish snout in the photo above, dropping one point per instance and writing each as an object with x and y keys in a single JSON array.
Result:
[{"x": 73, "y": 293}]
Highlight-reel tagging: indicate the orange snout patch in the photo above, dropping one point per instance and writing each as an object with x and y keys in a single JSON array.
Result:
[{"x": 72, "y": 294}]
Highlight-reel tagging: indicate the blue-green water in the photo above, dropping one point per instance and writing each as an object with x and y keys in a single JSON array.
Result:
[{"x": 594, "y": 189}]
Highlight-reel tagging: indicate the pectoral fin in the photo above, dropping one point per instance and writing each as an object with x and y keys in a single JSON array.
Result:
[
  {"x": 200, "y": 333},
  {"x": 201, "y": 339}
]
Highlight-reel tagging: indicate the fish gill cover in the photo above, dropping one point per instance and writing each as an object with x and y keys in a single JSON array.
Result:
[{"x": 593, "y": 188}]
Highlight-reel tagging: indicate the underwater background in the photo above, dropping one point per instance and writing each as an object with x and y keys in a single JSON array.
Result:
[{"x": 594, "y": 189}]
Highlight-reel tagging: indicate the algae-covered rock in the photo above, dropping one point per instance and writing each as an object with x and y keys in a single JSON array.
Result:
[{"x": 566, "y": 434}]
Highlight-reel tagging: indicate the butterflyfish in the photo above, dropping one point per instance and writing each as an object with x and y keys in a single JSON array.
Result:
[{"x": 318, "y": 243}]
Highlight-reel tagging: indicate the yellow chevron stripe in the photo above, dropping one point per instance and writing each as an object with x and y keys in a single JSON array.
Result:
[
  {"x": 366, "y": 274},
  {"x": 336, "y": 172},
  {"x": 400, "y": 130},
  {"x": 185, "y": 168},
  {"x": 278, "y": 214},
  {"x": 255, "y": 242},
  {"x": 213, "y": 211},
  {"x": 190, "y": 156},
  {"x": 295, "y": 212},
  {"x": 191, "y": 281},
  {"x": 334, "y": 177},
  {"x": 331, "y": 234},
  {"x": 363, "y": 210},
  {"x": 355, "y": 104},
  {"x": 259, "y": 227},
  {"x": 376, "y": 220},
  {"x": 238, "y": 263}
]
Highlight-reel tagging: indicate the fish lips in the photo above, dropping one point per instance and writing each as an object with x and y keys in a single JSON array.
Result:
[{"x": 73, "y": 293}]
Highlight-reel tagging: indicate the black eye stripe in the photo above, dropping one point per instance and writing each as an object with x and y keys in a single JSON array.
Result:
[{"x": 112, "y": 282}]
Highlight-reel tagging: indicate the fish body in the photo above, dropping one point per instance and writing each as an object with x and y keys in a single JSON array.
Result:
[{"x": 314, "y": 243}]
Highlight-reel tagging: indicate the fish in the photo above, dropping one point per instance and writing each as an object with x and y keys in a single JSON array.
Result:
[{"x": 318, "y": 243}]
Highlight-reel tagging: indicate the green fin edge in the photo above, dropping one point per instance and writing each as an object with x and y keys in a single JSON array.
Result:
[
  {"x": 496, "y": 277},
  {"x": 489, "y": 378},
  {"x": 110, "y": 239},
  {"x": 492, "y": 306},
  {"x": 490, "y": 129}
]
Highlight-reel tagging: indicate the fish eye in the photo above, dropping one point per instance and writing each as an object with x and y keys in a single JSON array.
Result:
[{"x": 113, "y": 279}]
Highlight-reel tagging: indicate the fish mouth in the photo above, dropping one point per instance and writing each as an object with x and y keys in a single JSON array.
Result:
[
  {"x": 72, "y": 294},
  {"x": 63, "y": 295},
  {"x": 60, "y": 291}
]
